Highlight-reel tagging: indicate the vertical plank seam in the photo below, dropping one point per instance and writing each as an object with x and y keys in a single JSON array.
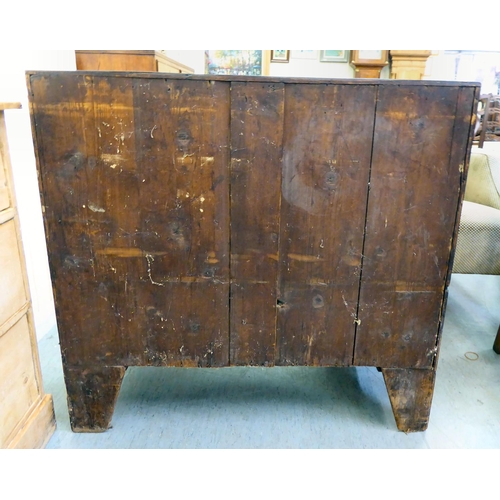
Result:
[
  {"x": 446, "y": 274},
  {"x": 147, "y": 341},
  {"x": 462, "y": 180},
  {"x": 83, "y": 118},
  {"x": 229, "y": 233},
  {"x": 365, "y": 226},
  {"x": 278, "y": 253}
]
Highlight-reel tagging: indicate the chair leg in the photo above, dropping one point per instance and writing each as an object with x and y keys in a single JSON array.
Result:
[{"x": 496, "y": 345}]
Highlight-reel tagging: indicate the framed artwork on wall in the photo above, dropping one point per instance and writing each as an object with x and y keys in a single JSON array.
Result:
[
  {"x": 280, "y": 56},
  {"x": 369, "y": 57},
  {"x": 333, "y": 55},
  {"x": 237, "y": 62}
]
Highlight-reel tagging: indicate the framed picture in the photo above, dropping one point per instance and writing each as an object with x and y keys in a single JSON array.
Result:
[
  {"x": 333, "y": 55},
  {"x": 369, "y": 57},
  {"x": 237, "y": 62},
  {"x": 280, "y": 56}
]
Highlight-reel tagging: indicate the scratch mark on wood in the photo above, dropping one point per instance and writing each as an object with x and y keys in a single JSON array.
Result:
[
  {"x": 304, "y": 258},
  {"x": 317, "y": 282},
  {"x": 96, "y": 208},
  {"x": 150, "y": 259},
  {"x": 127, "y": 252},
  {"x": 111, "y": 158}
]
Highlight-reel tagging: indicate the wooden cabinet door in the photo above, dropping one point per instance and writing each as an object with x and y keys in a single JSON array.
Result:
[{"x": 134, "y": 173}]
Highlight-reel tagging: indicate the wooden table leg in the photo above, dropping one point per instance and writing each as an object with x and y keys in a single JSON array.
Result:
[
  {"x": 496, "y": 345},
  {"x": 410, "y": 392},
  {"x": 92, "y": 394}
]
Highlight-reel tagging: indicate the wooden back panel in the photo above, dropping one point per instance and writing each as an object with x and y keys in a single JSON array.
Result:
[
  {"x": 212, "y": 221},
  {"x": 136, "y": 200},
  {"x": 417, "y": 175},
  {"x": 326, "y": 167}
]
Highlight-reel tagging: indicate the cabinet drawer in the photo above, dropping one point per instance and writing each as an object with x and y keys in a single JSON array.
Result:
[
  {"x": 11, "y": 272},
  {"x": 18, "y": 386}
]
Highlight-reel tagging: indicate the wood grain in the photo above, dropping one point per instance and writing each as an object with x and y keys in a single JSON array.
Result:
[
  {"x": 18, "y": 383},
  {"x": 4, "y": 182},
  {"x": 92, "y": 394},
  {"x": 419, "y": 155},
  {"x": 256, "y": 158},
  {"x": 10, "y": 105},
  {"x": 327, "y": 148},
  {"x": 134, "y": 242},
  {"x": 11, "y": 273},
  {"x": 26, "y": 414},
  {"x": 139, "y": 60},
  {"x": 410, "y": 392},
  {"x": 199, "y": 221},
  {"x": 37, "y": 430},
  {"x": 128, "y": 60}
]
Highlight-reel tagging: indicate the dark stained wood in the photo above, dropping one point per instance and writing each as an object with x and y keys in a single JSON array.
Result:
[
  {"x": 271, "y": 79},
  {"x": 92, "y": 394},
  {"x": 138, "y": 248},
  {"x": 326, "y": 161},
  {"x": 184, "y": 213},
  {"x": 256, "y": 156},
  {"x": 410, "y": 392},
  {"x": 419, "y": 155},
  {"x": 204, "y": 222}
]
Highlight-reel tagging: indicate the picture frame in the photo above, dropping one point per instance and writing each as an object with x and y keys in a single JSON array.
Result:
[
  {"x": 280, "y": 56},
  {"x": 369, "y": 57},
  {"x": 237, "y": 62},
  {"x": 334, "y": 56}
]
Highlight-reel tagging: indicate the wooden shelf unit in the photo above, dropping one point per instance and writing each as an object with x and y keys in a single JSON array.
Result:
[
  {"x": 128, "y": 60},
  {"x": 26, "y": 412}
]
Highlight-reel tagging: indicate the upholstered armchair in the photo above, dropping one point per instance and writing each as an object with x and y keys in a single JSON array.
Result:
[{"x": 478, "y": 245}]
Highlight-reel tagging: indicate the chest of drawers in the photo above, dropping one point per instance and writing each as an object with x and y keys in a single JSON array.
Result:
[
  {"x": 27, "y": 418},
  {"x": 203, "y": 221}
]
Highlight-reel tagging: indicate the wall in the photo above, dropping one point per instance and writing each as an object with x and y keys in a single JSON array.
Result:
[
  {"x": 476, "y": 66},
  {"x": 440, "y": 66},
  {"x": 13, "y": 65},
  {"x": 313, "y": 68},
  {"x": 193, "y": 58},
  {"x": 296, "y": 67}
]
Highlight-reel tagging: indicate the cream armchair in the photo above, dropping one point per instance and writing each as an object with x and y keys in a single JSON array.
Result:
[{"x": 478, "y": 244}]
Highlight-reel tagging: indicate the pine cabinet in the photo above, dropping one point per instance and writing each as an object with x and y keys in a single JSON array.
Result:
[{"x": 26, "y": 412}]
